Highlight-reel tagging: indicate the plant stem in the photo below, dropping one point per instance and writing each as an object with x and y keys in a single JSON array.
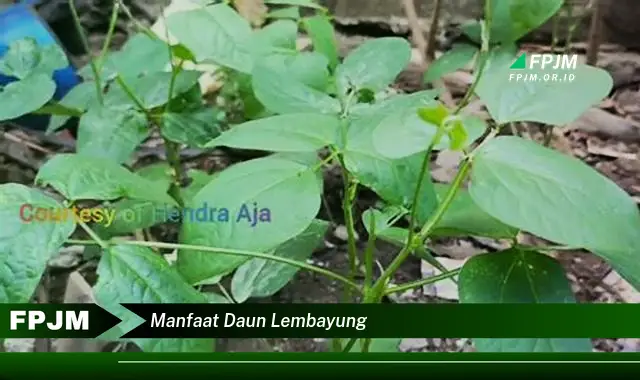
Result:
[
  {"x": 112, "y": 27},
  {"x": 131, "y": 95},
  {"x": 103, "y": 244},
  {"x": 483, "y": 57},
  {"x": 137, "y": 23},
  {"x": 423, "y": 282},
  {"x": 368, "y": 254},
  {"x": 85, "y": 46},
  {"x": 349, "y": 196},
  {"x": 173, "y": 157},
  {"x": 224, "y": 251}
]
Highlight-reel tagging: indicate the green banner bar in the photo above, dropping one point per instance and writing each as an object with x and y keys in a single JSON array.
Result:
[
  {"x": 388, "y": 321},
  {"x": 331, "y": 321},
  {"x": 313, "y": 365}
]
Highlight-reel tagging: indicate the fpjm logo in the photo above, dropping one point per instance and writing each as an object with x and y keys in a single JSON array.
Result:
[{"x": 67, "y": 320}]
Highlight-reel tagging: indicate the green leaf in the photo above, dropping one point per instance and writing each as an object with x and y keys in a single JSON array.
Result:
[
  {"x": 464, "y": 218},
  {"x": 404, "y": 132},
  {"x": 458, "y": 137},
  {"x": 25, "y": 58},
  {"x": 382, "y": 224},
  {"x": 140, "y": 55},
  {"x": 299, "y": 3},
  {"x": 512, "y": 20},
  {"x": 285, "y": 13},
  {"x": 130, "y": 215},
  {"x": 199, "y": 179},
  {"x": 193, "y": 128},
  {"x": 373, "y": 65},
  {"x": 510, "y": 98},
  {"x": 281, "y": 93},
  {"x": 393, "y": 179},
  {"x": 284, "y": 133},
  {"x": 226, "y": 41},
  {"x": 515, "y": 276},
  {"x": 558, "y": 198},
  {"x": 309, "y": 68},
  {"x": 81, "y": 97},
  {"x": 109, "y": 133},
  {"x": 128, "y": 274},
  {"x": 275, "y": 37},
  {"x": 26, "y": 245},
  {"x": 264, "y": 278},
  {"x": 159, "y": 173},
  {"x": 79, "y": 177},
  {"x": 152, "y": 90},
  {"x": 269, "y": 186},
  {"x": 323, "y": 37},
  {"x": 25, "y": 96},
  {"x": 453, "y": 60}
]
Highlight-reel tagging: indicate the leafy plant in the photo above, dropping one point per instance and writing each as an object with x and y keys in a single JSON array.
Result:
[{"x": 302, "y": 103}]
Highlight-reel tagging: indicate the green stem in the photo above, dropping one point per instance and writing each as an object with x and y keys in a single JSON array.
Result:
[
  {"x": 349, "y": 196},
  {"x": 85, "y": 46},
  {"x": 103, "y": 244},
  {"x": 423, "y": 282},
  {"x": 137, "y": 23},
  {"x": 173, "y": 158},
  {"x": 225, "y": 251},
  {"x": 483, "y": 57},
  {"x": 112, "y": 28},
  {"x": 131, "y": 95},
  {"x": 369, "y": 253}
]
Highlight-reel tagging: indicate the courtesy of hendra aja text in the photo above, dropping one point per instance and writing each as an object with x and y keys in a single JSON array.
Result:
[{"x": 230, "y": 320}]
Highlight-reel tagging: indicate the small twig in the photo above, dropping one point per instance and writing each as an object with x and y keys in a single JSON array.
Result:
[
  {"x": 85, "y": 46},
  {"x": 427, "y": 47},
  {"x": 595, "y": 30},
  {"x": 26, "y": 143}
]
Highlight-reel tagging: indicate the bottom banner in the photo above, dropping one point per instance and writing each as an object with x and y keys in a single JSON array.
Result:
[{"x": 317, "y": 365}]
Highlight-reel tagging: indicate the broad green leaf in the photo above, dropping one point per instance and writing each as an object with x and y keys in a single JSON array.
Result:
[
  {"x": 382, "y": 224},
  {"x": 515, "y": 276},
  {"x": 193, "y": 128},
  {"x": 215, "y": 298},
  {"x": 152, "y": 90},
  {"x": 130, "y": 215},
  {"x": 79, "y": 177},
  {"x": 277, "y": 36},
  {"x": 558, "y": 198},
  {"x": 225, "y": 42},
  {"x": 128, "y": 274},
  {"x": 373, "y": 65},
  {"x": 25, "y": 96},
  {"x": 27, "y": 244},
  {"x": 81, "y": 97},
  {"x": 540, "y": 95},
  {"x": 403, "y": 133},
  {"x": 464, "y": 218},
  {"x": 199, "y": 179},
  {"x": 299, "y": 3},
  {"x": 284, "y": 133},
  {"x": 393, "y": 179},
  {"x": 453, "y": 60},
  {"x": 109, "y": 133},
  {"x": 25, "y": 58},
  {"x": 512, "y": 20},
  {"x": 309, "y": 68},
  {"x": 378, "y": 345},
  {"x": 323, "y": 37},
  {"x": 161, "y": 173},
  {"x": 140, "y": 55},
  {"x": 282, "y": 93},
  {"x": 285, "y": 13},
  {"x": 267, "y": 186},
  {"x": 264, "y": 278}
]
